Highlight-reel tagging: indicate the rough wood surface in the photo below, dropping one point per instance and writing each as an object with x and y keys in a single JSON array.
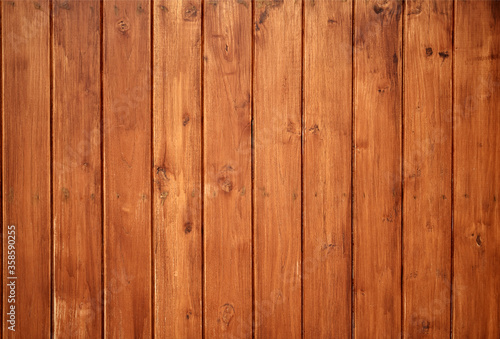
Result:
[
  {"x": 241, "y": 169},
  {"x": 427, "y": 167},
  {"x": 277, "y": 185},
  {"x": 327, "y": 168},
  {"x": 77, "y": 189},
  {"x": 177, "y": 169},
  {"x": 127, "y": 168},
  {"x": 227, "y": 192},
  {"x": 377, "y": 168},
  {"x": 476, "y": 234},
  {"x": 26, "y": 165}
]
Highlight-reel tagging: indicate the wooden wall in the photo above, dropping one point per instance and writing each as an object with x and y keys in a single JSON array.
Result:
[{"x": 250, "y": 169}]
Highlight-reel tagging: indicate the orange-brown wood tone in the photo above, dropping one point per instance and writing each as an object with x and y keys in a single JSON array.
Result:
[
  {"x": 127, "y": 168},
  {"x": 476, "y": 233},
  {"x": 250, "y": 169},
  {"x": 76, "y": 140},
  {"x": 227, "y": 192},
  {"x": 377, "y": 168},
  {"x": 277, "y": 185},
  {"x": 327, "y": 168},
  {"x": 26, "y": 180},
  {"x": 177, "y": 169},
  {"x": 427, "y": 168}
]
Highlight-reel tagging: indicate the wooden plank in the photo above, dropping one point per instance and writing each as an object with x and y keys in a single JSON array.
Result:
[
  {"x": 476, "y": 301},
  {"x": 26, "y": 160},
  {"x": 177, "y": 169},
  {"x": 77, "y": 169},
  {"x": 227, "y": 168},
  {"x": 327, "y": 168},
  {"x": 127, "y": 168},
  {"x": 427, "y": 168},
  {"x": 377, "y": 175},
  {"x": 277, "y": 186}
]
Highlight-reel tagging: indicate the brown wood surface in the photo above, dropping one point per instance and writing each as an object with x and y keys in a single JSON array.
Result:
[
  {"x": 277, "y": 184},
  {"x": 177, "y": 169},
  {"x": 427, "y": 168},
  {"x": 242, "y": 169},
  {"x": 227, "y": 192},
  {"x": 476, "y": 233},
  {"x": 77, "y": 190},
  {"x": 127, "y": 168},
  {"x": 327, "y": 168},
  {"x": 26, "y": 164},
  {"x": 377, "y": 168}
]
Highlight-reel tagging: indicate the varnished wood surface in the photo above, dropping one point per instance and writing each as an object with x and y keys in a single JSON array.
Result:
[{"x": 251, "y": 169}]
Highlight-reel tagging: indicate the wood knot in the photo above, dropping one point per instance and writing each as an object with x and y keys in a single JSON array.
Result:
[
  {"x": 224, "y": 179},
  {"x": 425, "y": 326},
  {"x": 226, "y": 313},
  {"x": 380, "y": 6},
  {"x": 415, "y": 11},
  {"x": 188, "y": 227},
  {"x": 64, "y": 5},
  {"x": 161, "y": 172},
  {"x": 428, "y": 51},
  {"x": 190, "y": 13},
  {"x": 292, "y": 128},
  {"x": 123, "y": 26},
  {"x": 226, "y": 185},
  {"x": 140, "y": 10},
  {"x": 444, "y": 55},
  {"x": 65, "y": 192},
  {"x": 163, "y": 197},
  {"x": 314, "y": 129}
]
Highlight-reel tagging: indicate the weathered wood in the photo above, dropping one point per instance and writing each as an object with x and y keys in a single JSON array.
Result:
[
  {"x": 127, "y": 168},
  {"x": 327, "y": 168},
  {"x": 177, "y": 168},
  {"x": 476, "y": 301},
  {"x": 77, "y": 174},
  {"x": 427, "y": 168},
  {"x": 227, "y": 168},
  {"x": 277, "y": 185},
  {"x": 377, "y": 169},
  {"x": 26, "y": 165}
]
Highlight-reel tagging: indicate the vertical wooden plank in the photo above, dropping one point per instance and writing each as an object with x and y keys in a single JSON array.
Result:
[
  {"x": 277, "y": 113},
  {"x": 327, "y": 168},
  {"x": 227, "y": 168},
  {"x": 377, "y": 176},
  {"x": 177, "y": 168},
  {"x": 427, "y": 167},
  {"x": 77, "y": 169},
  {"x": 476, "y": 301},
  {"x": 26, "y": 159},
  {"x": 127, "y": 168}
]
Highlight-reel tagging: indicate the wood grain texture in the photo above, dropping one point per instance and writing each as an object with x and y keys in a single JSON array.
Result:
[
  {"x": 77, "y": 169},
  {"x": 327, "y": 168},
  {"x": 26, "y": 160},
  {"x": 227, "y": 169},
  {"x": 277, "y": 185},
  {"x": 476, "y": 301},
  {"x": 427, "y": 167},
  {"x": 377, "y": 174},
  {"x": 127, "y": 166},
  {"x": 177, "y": 169}
]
